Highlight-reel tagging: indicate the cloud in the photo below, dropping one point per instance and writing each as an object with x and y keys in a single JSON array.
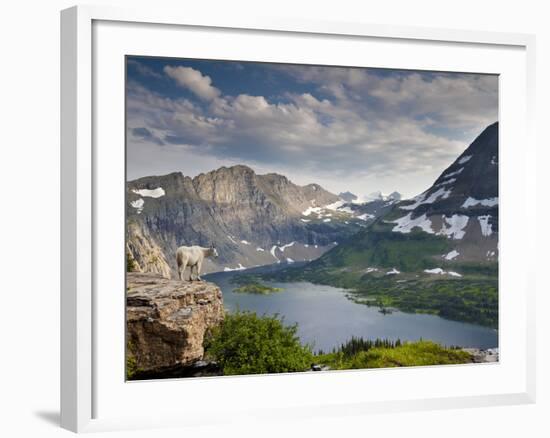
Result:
[
  {"x": 193, "y": 80},
  {"x": 143, "y": 69},
  {"x": 456, "y": 100},
  {"x": 399, "y": 129},
  {"x": 142, "y": 133}
]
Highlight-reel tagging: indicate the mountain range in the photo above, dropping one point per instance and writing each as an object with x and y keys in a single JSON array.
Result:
[
  {"x": 258, "y": 220},
  {"x": 251, "y": 219}
]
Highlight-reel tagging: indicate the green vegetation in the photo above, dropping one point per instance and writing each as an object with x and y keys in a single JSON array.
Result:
[
  {"x": 131, "y": 364},
  {"x": 355, "y": 345},
  {"x": 256, "y": 288},
  {"x": 469, "y": 300},
  {"x": 131, "y": 265},
  {"x": 379, "y": 246},
  {"x": 394, "y": 355},
  {"x": 246, "y": 343},
  {"x": 251, "y": 284}
]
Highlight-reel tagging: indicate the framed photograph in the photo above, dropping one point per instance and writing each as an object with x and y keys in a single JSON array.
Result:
[{"x": 261, "y": 208}]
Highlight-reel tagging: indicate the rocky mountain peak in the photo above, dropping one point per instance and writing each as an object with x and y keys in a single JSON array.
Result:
[{"x": 468, "y": 185}]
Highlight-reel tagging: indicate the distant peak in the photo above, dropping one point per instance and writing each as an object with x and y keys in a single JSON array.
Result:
[
  {"x": 347, "y": 196},
  {"x": 395, "y": 196},
  {"x": 378, "y": 196},
  {"x": 374, "y": 196}
]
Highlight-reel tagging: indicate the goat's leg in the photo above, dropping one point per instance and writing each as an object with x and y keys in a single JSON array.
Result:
[
  {"x": 181, "y": 269},
  {"x": 198, "y": 267}
]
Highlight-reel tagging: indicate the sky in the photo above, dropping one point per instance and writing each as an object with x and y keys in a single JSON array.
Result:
[{"x": 345, "y": 128}]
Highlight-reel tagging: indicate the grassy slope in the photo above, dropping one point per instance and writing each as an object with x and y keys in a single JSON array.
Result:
[{"x": 410, "y": 354}]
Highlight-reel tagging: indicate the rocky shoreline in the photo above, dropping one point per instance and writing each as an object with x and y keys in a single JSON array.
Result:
[{"x": 483, "y": 355}]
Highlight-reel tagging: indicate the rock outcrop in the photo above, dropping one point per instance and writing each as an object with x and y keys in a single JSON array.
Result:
[
  {"x": 143, "y": 253},
  {"x": 166, "y": 321}
]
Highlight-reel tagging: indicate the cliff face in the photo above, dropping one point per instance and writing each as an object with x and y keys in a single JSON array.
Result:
[
  {"x": 144, "y": 253},
  {"x": 166, "y": 321}
]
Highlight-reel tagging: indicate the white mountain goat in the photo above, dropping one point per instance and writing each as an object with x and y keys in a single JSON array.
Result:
[{"x": 193, "y": 256}]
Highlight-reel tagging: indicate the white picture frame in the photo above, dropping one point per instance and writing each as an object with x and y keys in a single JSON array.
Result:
[{"x": 88, "y": 395}]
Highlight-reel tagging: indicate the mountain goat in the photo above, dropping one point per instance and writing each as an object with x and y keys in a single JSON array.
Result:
[{"x": 193, "y": 256}]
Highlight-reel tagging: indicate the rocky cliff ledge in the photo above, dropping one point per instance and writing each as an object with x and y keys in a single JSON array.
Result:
[{"x": 166, "y": 321}]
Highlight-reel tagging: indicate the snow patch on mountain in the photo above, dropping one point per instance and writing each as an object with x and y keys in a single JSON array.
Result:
[
  {"x": 238, "y": 268},
  {"x": 453, "y": 226},
  {"x": 472, "y": 202},
  {"x": 439, "y": 271},
  {"x": 335, "y": 205},
  {"x": 441, "y": 193},
  {"x": 406, "y": 224},
  {"x": 346, "y": 210},
  {"x": 138, "y": 205},
  {"x": 272, "y": 251},
  {"x": 447, "y": 181},
  {"x": 456, "y": 172},
  {"x": 486, "y": 229},
  {"x": 147, "y": 193},
  {"x": 393, "y": 272},
  {"x": 465, "y": 159},
  {"x": 451, "y": 255},
  {"x": 288, "y": 245},
  {"x": 365, "y": 216},
  {"x": 310, "y": 210},
  {"x": 281, "y": 248}
]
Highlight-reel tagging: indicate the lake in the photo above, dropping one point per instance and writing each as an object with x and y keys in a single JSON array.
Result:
[{"x": 327, "y": 318}]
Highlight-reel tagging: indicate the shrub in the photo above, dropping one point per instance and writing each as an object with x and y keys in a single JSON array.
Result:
[
  {"x": 131, "y": 363},
  {"x": 130, "y": 263},
  {"x": 246, "y": 343}
]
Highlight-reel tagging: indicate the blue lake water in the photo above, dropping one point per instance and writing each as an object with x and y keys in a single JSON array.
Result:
[{"x": 326, "y": 317}]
